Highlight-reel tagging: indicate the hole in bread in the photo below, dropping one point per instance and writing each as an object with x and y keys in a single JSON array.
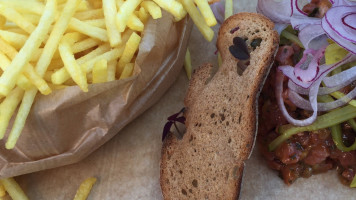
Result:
[
  {"x": 242, "y": 66},
  {"x": 195, "y": 183},
  {"x": 191, "y": 191},
  {"x": 256, "y": 43},
  {"x": 212, "y": 115},
  {"x": 229, "y": 141},
  {"x": 184, "y": 192},
  {"x": 240, "y": 118}
]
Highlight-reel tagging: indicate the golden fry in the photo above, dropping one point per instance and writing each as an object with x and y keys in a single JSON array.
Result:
[
  {"x": 174, "y": 7},
  {"x": 135, "y": 23},
  {"x": 109, "y": 13},
  {"x": 100, "y": 71},
  {"x": 2, "y": 190},
  {"x": 13, "y": 188},
  {"x": 72, "y": 66},
  {"x": 188, "y": 64},
  {"x": 84, "y": 189},
  {"x": 128, "y": 69},
  {"x": 198, "y": 19},
  {"x": 90, "y": 14},
  {"x": 152, "y": 8},
  {"x": 89, "y": 30},
  {"x": 85, "y": 44},
  {"x": 124, "y": 13},
  {"x": 229, "y": 8},
  {"x": 206, "y": 11},
  {"x": 14, "y": 16},
  {"x": 129, "y": 51},
  {"x": 30, "y": 6},
  {"x": 112, "y": 70},
  {"x": 15, "y": 39},
  {"x": 100, "y": 23},
  {"x": 8, "y": 107}
]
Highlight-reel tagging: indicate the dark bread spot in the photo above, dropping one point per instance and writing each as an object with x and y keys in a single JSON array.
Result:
[
  {"x": 229, "y": 141},
  {"x": 240, "y": 118},
  {"x": 184, "y": 192},
  {"x": 195, "y": 183}
]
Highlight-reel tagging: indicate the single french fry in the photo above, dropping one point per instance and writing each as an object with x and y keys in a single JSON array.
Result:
[
  {"x": 198, "y": 19},
  {"x": 2, "y": 190},
  {"x": 128, "y": 69},
  {"x": 32, "y": 18},
  {"x": 89, "y": 30},
  {"x": 85, "y": 44},
  {"x": 61, "y": 75},
  {"x": 72, "y": 66},
  {"x": 83, "y": 6},
  {"x": 22, "y": 81},
  {"x": 143, "y": 15},
  {"x": 188, "y": 64},
  {"x": 14, "y": 189},
  {"x": 229, "y": 8},
  {"x": 124, "y": 13},
  {"x": 15, "y": 39},
  {"x": 100, "y": 23},
  {"x": 84, "y": 189},
  {"x": 112, "y": 70},
  {"x": 129, "y": 51},
  {"x": 41, "y": 67},
  {"x": 28, "y": 71},
  {"x": 206, "y": 11},
  {"x": 21, "y": 117},
  {"x": 8, "y": 79},
  {"x": 8, "y": 107},
  {"x": 112, "y": 30},
  {"x": 29, "y": 6},
  {"x": 17, "y": 30},
  {"x": 100, "y": 71},
  {"x": 135, "y": 23},
  {"x": 15, "y": 17},
  {"x": 90, "y": 14},
  {"x": 174, "y": 7},
  {"x": 152, "y": 8}
]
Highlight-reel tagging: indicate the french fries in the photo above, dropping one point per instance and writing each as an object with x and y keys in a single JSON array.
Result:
[{"x": 50, "y": 45}]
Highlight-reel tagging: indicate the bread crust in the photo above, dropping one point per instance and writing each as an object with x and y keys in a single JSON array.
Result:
[{"x": 221, "y": 117}]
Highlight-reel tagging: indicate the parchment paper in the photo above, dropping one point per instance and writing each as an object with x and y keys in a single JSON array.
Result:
[{"x": 128, "y": 165}]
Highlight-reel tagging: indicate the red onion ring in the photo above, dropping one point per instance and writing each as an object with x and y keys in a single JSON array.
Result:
[
  {"x": 322, "y": 90},
  {"x": 340, "y": 33},
  {"x": 277, "y": 11},
  {"x": 312, "y": 99},
  {"x": 300, "y": 102},
  {"x": 313, "y": 37}
]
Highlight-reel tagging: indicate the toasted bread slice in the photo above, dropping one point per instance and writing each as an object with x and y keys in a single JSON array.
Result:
[{"x": 207, "y": 163}]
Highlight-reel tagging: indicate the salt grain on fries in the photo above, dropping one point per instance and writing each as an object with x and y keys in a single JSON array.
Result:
[{"x": 53, "y": 44}]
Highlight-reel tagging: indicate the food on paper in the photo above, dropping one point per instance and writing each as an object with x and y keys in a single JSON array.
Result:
[{"x": 307, "y": 120}]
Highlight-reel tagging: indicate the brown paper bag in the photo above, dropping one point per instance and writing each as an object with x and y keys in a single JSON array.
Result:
[{"x": 69, "y": 124}]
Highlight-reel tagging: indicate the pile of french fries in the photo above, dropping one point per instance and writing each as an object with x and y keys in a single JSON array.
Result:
[{"x": 47, "y": 45}]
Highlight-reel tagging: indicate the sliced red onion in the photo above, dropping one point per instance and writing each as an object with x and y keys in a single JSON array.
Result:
[
  {"x": 323, "y": 71},
  {"x": 342, "y": 20},
  {"x": 339, "y": 28},
  {"x": 218, "y": 9},
  {"x": 300, "y": 102},
  {"x": 278, "y": 11},
  {"x": 313, "y": 37},
  {"x": 342, "y": 2},
  {"x": 308, "y": 67},
  {"x": 343, "y": 78},
  {"x": 312, "y": 99},
  {"x": 322, "y": 90}
]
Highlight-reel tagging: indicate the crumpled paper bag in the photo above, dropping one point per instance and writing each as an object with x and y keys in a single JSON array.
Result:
[{"x": 69, "y": 124}]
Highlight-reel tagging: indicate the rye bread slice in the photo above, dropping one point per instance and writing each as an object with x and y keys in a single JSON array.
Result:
[{"x": 221, "y": 112}]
